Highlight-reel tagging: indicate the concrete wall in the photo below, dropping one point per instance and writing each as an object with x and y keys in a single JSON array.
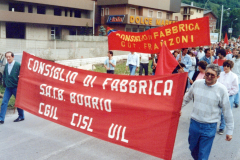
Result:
[
  {"x": 60, "y": 50},
  {"x": 196, "y": 14},
  {"x": 37, "y": 31},
  {"x": 4, "y": 5},
  {"x": 2, "y": 30}
]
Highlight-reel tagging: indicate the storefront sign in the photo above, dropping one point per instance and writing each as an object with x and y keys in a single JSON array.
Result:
[
  {"x": 149, "y": 21},
  {"x": 116, "y": 19}
]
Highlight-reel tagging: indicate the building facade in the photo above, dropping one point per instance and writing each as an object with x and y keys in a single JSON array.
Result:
[
  {"x": 212, "y": 20},
  {"x": 188, "y": 12},
  {"x": 135, "y": 15},
  {"x": 45, "y": 19}
]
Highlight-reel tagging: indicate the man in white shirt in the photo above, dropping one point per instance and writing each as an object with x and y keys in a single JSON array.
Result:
[
  {"x": 200, "y": 53},
  {"x": 132, "y": 62},
  {"x": 110, "y": 63},
  {"x": 144, "y": 62}
]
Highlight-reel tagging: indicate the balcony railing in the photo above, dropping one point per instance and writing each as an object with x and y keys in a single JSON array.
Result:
[{"x": 187, "y": 13}]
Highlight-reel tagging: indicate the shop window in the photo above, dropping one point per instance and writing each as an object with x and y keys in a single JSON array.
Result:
[
  {"x": 16, "y": 7},
  {"x": 132, "y": 11},
  {"x": 77, "y": 14},
  {"x": 168, "y": 16},
  {"x": 30, "y": 9},
  {"x": 57, "y": 12},
  {"x": 159, "y": 14},
  {"x": 106, "y": 11},
  {"x": 150, "y": 13},
  {"x": 41, "y": 10},
  {"x": 102, "y": 12},
  {"x": 134, "y": 29},
  {"x": 128, "y": 29}
]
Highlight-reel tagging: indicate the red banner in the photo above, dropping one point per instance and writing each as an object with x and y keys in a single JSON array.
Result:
[
  {"x": 138, "y": 112},
  {"x": 183, "y": 34}
]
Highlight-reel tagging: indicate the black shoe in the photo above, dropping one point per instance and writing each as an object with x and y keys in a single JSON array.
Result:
[
  {"x": 18, "y": 120},
  {"x": 220, "y": 131},
  {"x": 1, "y": 122},
  {"x": 236, "y": 105}
]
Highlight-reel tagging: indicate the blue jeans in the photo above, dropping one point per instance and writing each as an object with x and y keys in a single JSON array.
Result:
[
  {"x": 132, "y": 69},
  {"x": 236, "y": 97},
  {"x": 201, "y": 136},
  {"x": 190, "y": 75},
  {"x": 223, "y": 124},
  {"x": 7, "y": 94}
]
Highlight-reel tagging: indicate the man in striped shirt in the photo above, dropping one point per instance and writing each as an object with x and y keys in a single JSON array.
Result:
[{"x": 209, "y": 97}]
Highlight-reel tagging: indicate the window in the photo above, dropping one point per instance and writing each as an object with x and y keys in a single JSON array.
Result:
[
  {"x": 57, "y": 12},
  {"x": 132, "y": 11},
  {"x": 106, "y": 11},
  {"x": 30, "y": 9},
  {"x": 55, "y": 33},
  {"x": 16, "y": 7},
  {"x": 176, "y": 18},
  {"x": 199, "y": 11},
  {"x": 41, "y": 10},
  {"x": 168, "y": 16},
  {"x": 66, "y": 12},
  {"x": 128, "y": 29},
  {"x": 77, "y": 14},
  {"x": 150, "y": 13},
  {"x": 71, "y": 13},
  {"x": 159, "y": 14},
  {"x": 134, "y": 29},
  {"x": 102, "y": 12}
]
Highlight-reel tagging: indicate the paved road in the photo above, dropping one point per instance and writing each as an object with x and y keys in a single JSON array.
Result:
[{"x": 39, "y": 139}]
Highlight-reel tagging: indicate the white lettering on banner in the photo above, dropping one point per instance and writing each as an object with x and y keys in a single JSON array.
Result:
[
  {"x": 105, "y": 82},
  {"x": 48, "y": 111},
  {"x": 112, "y": 132},
  {"x": 91, "y": 102},
  {"x": 146, "y": 87},
  {"x": 52, "y": 92},
  {"x": 88, "y": 80},
  {"x": 84, "y": 122},
  {"x": 51, "y": 71}
]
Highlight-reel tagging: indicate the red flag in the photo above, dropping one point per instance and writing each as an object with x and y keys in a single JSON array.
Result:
[
  {"x": 226, "y": 39},
  {"x": 166, "y": 62}
]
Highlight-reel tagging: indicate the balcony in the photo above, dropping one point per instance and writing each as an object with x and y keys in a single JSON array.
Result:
[
  {"x": 187, "y": 13},
  {"x": 22, "y": 17}
]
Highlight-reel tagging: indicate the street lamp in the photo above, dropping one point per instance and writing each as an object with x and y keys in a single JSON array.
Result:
[
  {"x": 221, "y": 23},
  {"x": 231, "y": 26}
]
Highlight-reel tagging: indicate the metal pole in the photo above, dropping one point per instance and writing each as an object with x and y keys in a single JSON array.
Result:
[
  {"x": 221, "y": 25},
  {"x": 232, "y": 30},
  {"x": 93, "y": 18}
]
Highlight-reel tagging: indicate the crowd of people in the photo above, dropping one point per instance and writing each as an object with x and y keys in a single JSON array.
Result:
[{"x": 213, "y": 85}]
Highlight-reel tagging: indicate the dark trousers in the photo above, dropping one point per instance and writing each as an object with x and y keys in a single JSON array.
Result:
[
  {"x": 110, "y": 71},
  {"x": 145, "y": 67}
]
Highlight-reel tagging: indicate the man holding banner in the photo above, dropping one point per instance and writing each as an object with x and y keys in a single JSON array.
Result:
[{"x": 210, "y": 97}]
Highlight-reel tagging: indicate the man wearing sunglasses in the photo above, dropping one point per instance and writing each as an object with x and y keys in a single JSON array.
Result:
[{"x": 210, "y": 97}]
